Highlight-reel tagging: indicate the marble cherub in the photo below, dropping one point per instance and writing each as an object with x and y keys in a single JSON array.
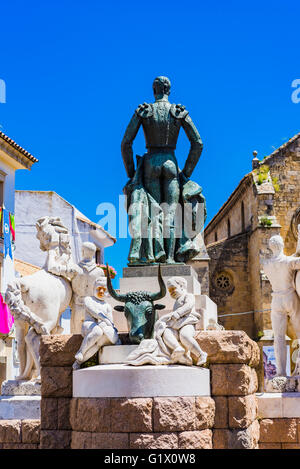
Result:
[
  {"x": 174, "y": 334},
  {"x": 83, "y": 283}
]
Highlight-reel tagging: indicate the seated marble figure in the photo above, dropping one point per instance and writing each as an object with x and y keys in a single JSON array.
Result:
[
  {"x": 97, "y": 328},
  {"x": 174, "y": 334}
]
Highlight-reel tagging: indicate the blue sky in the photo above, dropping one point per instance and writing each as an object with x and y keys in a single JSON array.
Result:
[{"x": 75, "y": 72}]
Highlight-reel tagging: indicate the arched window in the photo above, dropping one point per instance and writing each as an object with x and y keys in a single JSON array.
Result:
[
  {"x": 228, "y": 228},
  {"x": 216, "y": 236},
  {"x": 243, "y": 216}
]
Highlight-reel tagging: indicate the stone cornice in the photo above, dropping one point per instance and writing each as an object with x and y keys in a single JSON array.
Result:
[{"x": 15, "y": 151}]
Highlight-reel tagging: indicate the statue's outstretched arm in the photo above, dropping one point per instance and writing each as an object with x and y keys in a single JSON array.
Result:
[
  {"x": 126, "y": 146},
  {"x": 196, "y": 145}
]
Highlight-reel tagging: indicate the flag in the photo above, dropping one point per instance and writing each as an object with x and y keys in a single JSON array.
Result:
[
  {"x": 12, "y": 225},
  {"x": 6, "y": 234}
]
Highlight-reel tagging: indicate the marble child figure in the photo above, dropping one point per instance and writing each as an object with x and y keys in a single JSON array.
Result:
[
  {"x": 174, "y": 334},
  {"x": 97, "y": 328},
  {"x": 281, "y": 270},
  {"x": 83, "y": 284},
  {"x": 179, "y": 331}
]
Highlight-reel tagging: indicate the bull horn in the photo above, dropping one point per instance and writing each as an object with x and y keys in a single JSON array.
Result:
[
  {"x": 162, "y": 291},
  {"x": 112, "y": 291}
]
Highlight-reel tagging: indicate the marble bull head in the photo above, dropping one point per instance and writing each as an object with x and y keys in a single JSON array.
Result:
[{"x": 139, "y": 308}]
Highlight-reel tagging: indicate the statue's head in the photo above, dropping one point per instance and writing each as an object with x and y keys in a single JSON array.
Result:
[
  {"x": 161, "y": 87},
  {"x": 100, "y": 287},
  {"x": 88, "y": 250},
  {"x": 177, "y": 286},
  {"x": 52, "y": 233},
  {"x": 276, "y": 244}
]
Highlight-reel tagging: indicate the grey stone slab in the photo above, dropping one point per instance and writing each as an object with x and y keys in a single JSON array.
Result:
[
  {"x": 20, "y": 407},
  {"x": 167, "y": 270},
  {"x": 20, "y": 388}
]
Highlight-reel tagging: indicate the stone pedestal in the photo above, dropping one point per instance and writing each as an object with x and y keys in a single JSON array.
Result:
[
  {"x": 226, "y": 419},
  {"x": 141, "y": 381},
  {"x": 13, "y": 387},
  {"x": 145, "y": 278},
  {"x": 20, "y": 400},
  {"x": 142, "y": 423},
  {"x": 20, "y": 407},
  {"x": 279, "y": 415},
  {"x": 201, "y": 265}
]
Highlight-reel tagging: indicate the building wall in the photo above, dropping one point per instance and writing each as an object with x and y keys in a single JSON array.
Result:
[
  {"x": 9, "y": 183},
  {"x": 32, "y": 205},
  {"x": 7, "y": 174},
  {"x": 8, "y": 166},
  {"x": 285, "y": 166},
  {"x": 230, "y": 258},
  {"x": 238, "y": 223},
  {"x": 239, "y": 255}
]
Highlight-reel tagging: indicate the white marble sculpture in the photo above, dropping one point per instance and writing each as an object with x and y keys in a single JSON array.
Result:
[
  {"x": 98, "y": 328},
  {"x": 83, "y": 284},
  {"x": 36, "y": 301},
  {"x": 282, "y": 271},
  {"x": 174, "y": 334}
]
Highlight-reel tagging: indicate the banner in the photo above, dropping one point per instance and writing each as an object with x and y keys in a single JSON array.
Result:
[
  {"x": 12, "y": 225},
  {"x": 6, "y": 234}
]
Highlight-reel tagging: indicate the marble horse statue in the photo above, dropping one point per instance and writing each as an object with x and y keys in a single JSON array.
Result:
[{"x": 37, "y": 301}]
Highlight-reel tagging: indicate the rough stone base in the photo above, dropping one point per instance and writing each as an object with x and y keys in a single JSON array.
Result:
[
  {"x": 229, "y": 417},
  {"x": 19, "y": 434},
  {"x": 283, "y": 384},
  {"x": 281, "y": 433},
  {"x": 142, "y": 423},
  {"x": 14, "y": 387}
]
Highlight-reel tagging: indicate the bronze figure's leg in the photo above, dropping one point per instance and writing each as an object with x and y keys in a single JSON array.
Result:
[
  {"x": 171, "y": 197},
  {"x": 152, "y": 183}
]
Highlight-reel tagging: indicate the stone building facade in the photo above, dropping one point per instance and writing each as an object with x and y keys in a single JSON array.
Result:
[
  {"x": 12, "y": 158},
  {"x": 266, "y": 202}
]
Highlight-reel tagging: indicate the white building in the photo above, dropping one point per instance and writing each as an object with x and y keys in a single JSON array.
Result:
[
  {"x": 12, "y": 158},
  {"x": 32, "y": 205}
]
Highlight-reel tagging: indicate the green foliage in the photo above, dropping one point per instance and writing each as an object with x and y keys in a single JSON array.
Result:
[
  {"x": 265, "y": 221},
  {"x": 276, "y": 184},
  {"x": 259, "y": 335},
  {"x": 261, "y": 174}
]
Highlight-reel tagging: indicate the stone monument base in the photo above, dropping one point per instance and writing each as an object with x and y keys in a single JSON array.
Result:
[
  {"x": 142, "y": 423},
  {"x": 142, "y": 381},
  {"x": 20, "y": 407},
  {"x": 20, "y": 400},
  {"x": 14, "y": 387}
]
